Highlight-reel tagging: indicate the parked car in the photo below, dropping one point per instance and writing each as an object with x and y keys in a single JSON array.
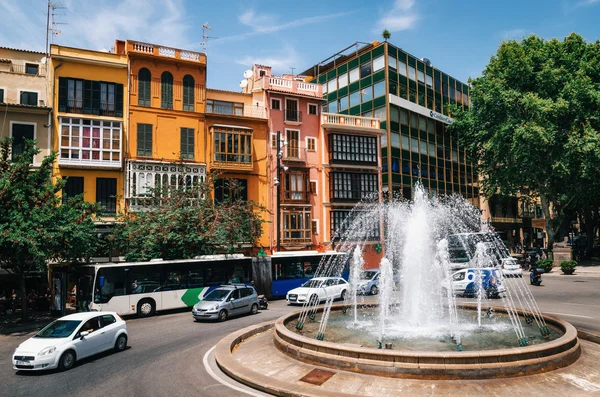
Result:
[
  {"x": 318, "y": 289},
  {"x": 369, "y": 282},
  {"x": 465, "y": 282},
  {"x": 225, "y": 301},
  {"x": 69, "y": 339},
  {"x": 511, "y": 267}
]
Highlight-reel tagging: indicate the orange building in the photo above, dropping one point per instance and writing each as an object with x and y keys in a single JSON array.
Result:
[
  {"x": 167, "y": 90},
  {"x": 236, "y": 138}
]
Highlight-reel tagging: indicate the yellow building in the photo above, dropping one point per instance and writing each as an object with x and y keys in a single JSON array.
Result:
[
  {"x": 89, "y": 124},
  {"x": 236, "y": 138},
  {"x": 166, "y": 117}
]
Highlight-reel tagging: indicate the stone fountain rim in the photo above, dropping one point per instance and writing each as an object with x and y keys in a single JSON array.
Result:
[
  {"x": 480, "y": 364},
  {"x": 570, "y": 333}
]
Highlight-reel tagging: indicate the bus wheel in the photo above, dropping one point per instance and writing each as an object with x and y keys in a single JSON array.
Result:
[{"x": 146, "y": 308}]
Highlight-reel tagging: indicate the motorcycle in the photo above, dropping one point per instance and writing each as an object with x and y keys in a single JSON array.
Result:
[
  {"x": 535, "y": 276},
  {"x": 263, "y": 304}
]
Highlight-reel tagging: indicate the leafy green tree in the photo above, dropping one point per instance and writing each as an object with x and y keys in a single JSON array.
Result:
[
  {"x": 35, "y": 228},
  {"x": 179, "y": 223},
  {"x": 534, "y": 124},
  {"x": 386, "y": 34}
]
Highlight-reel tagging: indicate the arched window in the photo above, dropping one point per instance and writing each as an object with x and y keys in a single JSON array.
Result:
[
  {"x": 166, "y": 92},
  {"x": 188, "y": 93},
  {"x": 144, "y": 78}
]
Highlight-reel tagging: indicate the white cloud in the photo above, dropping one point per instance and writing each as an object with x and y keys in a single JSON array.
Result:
[
  {"x": 402, "y": 16},
  {"x": 267, "y": 23},
  {"x": 280, "y": 60},
  {"x": 96, "y": 25},
  {"x": 587, "y": 3}
]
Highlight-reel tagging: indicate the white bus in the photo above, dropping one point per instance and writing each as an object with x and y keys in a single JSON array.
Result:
[{"x": 144, "y": 288}]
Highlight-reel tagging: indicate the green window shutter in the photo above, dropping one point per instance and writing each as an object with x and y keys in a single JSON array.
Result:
[
  {"x": 62, "y": 94},
  {"x": 87, "y": 96},
  {"x": 95, "y": 97},
  {"x": 166, "y": 94},
  {"x": 144, "y": 140},
  {"x": 119, "y": 100},
  {"x": 187, "y": 143}
]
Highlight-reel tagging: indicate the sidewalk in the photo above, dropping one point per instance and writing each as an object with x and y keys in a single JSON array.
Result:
[{"x": 13, "y": 323}]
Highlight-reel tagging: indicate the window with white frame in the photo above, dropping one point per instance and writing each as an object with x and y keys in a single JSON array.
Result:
[
  {"x": 96, "y": 142},
  {"x": 392, "y": 62},
  {"x": 312, "y": 108},
  {"x": 331, "y": 85},
  {"x": 342, "y": 80},
  {"x": 311, "y": 144},
  {"x": 275, "y": 104},
  {"x": 378, "y": 63},
  {"x": 354, "y": 75}
]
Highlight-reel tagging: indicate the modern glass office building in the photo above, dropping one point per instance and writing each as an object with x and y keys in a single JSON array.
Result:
[{"x": 411, "y": 98}]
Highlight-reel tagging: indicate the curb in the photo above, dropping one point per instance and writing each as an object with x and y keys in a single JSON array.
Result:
[{"x": 24, "y": 328}]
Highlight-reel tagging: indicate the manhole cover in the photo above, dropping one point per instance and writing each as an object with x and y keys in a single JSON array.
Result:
[{"x": 317, "y": 376}]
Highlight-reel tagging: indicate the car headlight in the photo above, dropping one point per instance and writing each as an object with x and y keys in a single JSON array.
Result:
[
  {"x": 215, "y": 307},
  {"x": 47, "y": 350}
]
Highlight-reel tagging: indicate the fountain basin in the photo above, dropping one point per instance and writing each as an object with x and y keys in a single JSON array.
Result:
[{"x": 481, "y": 364}]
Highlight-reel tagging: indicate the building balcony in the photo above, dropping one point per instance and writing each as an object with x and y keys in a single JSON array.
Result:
[
  {"x": 293, "y": 116},
  {"x": 31, "y": 69},
  {"x": 294, "y": 152},
  {"x": 231, "y": 163},
  {"x": 333, "y": 121},
  {"x": 165, "y": 52},
  {"x": 143, "y": 177},
  {"x": 291, "y": 85}
]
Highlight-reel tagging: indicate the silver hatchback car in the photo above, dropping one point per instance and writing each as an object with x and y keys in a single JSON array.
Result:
[{"x": 225, "y": 301}]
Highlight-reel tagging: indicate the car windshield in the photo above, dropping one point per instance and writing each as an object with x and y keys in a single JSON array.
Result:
[
  {"x": 217, "y": 295},
  {"x": 367, "y": 275},
  {"x": 59, "y": 329},
  {"x": 312, "y": 284}
]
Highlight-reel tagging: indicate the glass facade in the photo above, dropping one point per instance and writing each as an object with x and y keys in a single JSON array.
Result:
[{"x": 418, "y": 146}]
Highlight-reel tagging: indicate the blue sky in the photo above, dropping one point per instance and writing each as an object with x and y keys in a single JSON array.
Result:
[{"x": 457, "y": 36}]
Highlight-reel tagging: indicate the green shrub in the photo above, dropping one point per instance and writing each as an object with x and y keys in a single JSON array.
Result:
[
  {"x": 545, "y": 264},
  {"x": 566, "y": 266}
]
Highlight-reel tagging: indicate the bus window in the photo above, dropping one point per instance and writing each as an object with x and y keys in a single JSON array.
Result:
[
  {"x": 109, "y": 283},
  {"x": 144, "y": 279}
]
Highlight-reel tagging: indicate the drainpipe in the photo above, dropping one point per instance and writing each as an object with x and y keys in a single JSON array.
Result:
[{"x": 54, "y": 110}]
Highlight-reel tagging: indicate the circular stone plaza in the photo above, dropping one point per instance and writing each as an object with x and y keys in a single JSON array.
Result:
[{"x": 272, "y": 358}]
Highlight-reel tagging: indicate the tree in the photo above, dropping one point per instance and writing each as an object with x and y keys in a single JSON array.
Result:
[
  {"x": 534, "y": 124},
  {"x": 180, "y": 223},
  {"x": 35, "y": 228},
  {"x": 386, "y": 34}
]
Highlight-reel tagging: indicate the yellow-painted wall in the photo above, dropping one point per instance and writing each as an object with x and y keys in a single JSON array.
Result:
[
  {"x": 97, "y": 66},
  {"x": 258, "y": 184}
]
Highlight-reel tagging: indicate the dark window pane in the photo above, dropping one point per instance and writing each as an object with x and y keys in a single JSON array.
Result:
[
  {"x": 106, "y": 195},
  {"x": 72, "y": 188}
]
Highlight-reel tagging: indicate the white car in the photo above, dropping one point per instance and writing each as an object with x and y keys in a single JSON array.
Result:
[
  {"x": 465, "y": 282},
  {"x": 318, "y": 289},
  {"x": 69, "y": 339},
  {"x": 511, "y": 268}
]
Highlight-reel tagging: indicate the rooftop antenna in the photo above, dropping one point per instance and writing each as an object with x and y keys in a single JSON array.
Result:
[
  {"x": 292, "y": 71},
  {"x": 205, "y": 37},
  {"x": 51, "y": 23}
]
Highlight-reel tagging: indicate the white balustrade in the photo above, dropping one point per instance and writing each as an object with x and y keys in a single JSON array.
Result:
[
  {"x": 143, "y": 47},
  {"x": 356, "y": 121},
  {"x": 192, "y": 56},
  {"x": 307, "y": 87},
  {"x": 166, "y": 52},
  {"x": 279, "y": 82}
]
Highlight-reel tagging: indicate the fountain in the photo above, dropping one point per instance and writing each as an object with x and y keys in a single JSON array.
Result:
[
  {"x": 416, "y": 328},
  {"x": 417, "y": 313}
]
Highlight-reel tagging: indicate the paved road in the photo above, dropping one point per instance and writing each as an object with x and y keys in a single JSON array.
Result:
[{"x": 165, "y": 358}]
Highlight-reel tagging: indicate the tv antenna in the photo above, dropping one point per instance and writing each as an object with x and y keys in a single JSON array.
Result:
[
  {"x": 205, "y": 36},
  {"x": 51, "y": 22},
  {"x": 292, "y": 70}
]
